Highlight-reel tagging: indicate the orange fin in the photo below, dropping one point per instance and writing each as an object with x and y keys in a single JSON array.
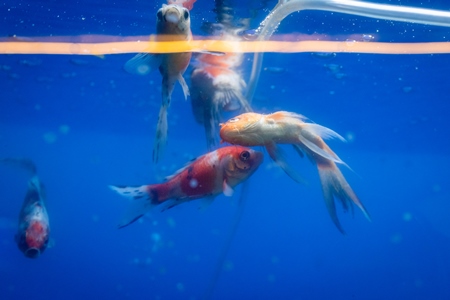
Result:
[
  {"x": 278, "y": 157},
  {"x": 287, "y": 116},
  {"x": 312, "y": 134},
  {"x": 335, "y": 185}
]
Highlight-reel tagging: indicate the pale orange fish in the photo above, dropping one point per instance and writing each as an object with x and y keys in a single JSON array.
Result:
[
  {"x": 252, "y": 129},
  {"x": 206, "y": 177},
  {"x": 216, "y": 86},
  {"x": 173, "y": 24}
]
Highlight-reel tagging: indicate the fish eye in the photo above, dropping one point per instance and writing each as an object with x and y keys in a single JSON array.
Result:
[
  {"x": 186, "y": 14},
  {"x": 233, "y": 120},
  {"x": 244, "y": 156},
  {"x": 159, "y": 15}
]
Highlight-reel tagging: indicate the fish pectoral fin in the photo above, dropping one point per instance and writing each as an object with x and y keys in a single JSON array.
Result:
[
  {"x": 299, "y": 150},
  {"x": 277, "y": 155},
  {"x": 184, "y": 86},
  {"x": 227, "y": 190},
  {"x": 143, "y": 63},
  {"x": 51, "y": 243},
  {"x": 205, "y": 202},
  {"x": 140, "y": 203}
]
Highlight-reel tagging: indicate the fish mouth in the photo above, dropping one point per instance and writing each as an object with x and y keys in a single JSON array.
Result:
[
  {"x": 172, "y": 16},
  {"x": 32, "y": 252}
]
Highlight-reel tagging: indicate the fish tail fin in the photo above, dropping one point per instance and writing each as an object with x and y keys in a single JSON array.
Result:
[
  {"x": 210, "y": 118},
  {"x": 141, "y": 202},
  {"x": 161, "y": 134},
  {"x": 335, "y": 185},
  {"x": 243, "y": 102},
  {"x": 229, "y": 94}
]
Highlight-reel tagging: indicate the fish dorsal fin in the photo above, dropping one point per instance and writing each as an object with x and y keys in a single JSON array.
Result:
[
  {"x": 227, "y": 190},
  {"x": 286, "y": 116},
  {"x": 181, "y": 169},
  {"x": 36, "y": 184},
  {"x": 323, "y": 132},
  {"x": 143, "y": 63}
]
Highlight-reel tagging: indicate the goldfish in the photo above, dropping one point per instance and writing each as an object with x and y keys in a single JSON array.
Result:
[
  {"x": 282, "y": 127},
  {"x": 33, "y": 232},
  {"x": 206, "y": 177},
  {"x": 172, "y": 24},
  {"x": 216, "y": 86}
]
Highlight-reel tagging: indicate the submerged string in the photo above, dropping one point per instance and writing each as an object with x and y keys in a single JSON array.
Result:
[{"x": 228, "y": 241}]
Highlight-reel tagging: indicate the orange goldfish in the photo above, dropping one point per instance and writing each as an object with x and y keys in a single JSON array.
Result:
[
  {"x": 206, "y": 177},
  {"x": 173, "y": 24},
  {"x": 252, "y": 129}
]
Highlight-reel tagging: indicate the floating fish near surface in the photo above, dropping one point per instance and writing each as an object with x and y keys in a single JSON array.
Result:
[
  {"x": 173, "y": 24},
  {"x": 216, "y": 87}
]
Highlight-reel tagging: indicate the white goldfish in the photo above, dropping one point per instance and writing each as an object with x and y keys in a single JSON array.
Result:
[{"x": 173, "y": 24}]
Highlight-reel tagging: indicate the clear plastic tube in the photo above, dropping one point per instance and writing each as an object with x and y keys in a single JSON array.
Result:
[{"x": 359, "y": 8}]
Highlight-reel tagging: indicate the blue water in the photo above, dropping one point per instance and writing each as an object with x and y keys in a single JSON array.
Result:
[{"x": 87, "y": 124}]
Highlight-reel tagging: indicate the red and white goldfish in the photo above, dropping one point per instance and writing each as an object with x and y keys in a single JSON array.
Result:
[
  {"x": 252, "y": 129},
  {"x": 216, "y": 86},
  {"x": 206, "y": 177},
  {"x": 173, "y": 24},
  {"x": 33, "y": 232}
]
